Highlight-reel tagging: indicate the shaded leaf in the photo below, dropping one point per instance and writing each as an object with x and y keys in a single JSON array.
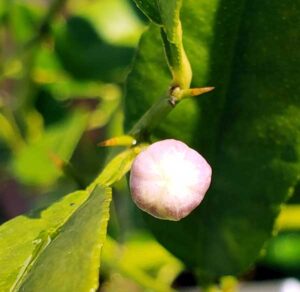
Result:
[
  {"x": 151, "y": 9},
  {"x": 171, "y": 32},
  {"x": 169, "y": 11},
  {"x": 248, "y": 129},
  {"x": 150, "y": 58},
  {"x": 86, "y": 56}
]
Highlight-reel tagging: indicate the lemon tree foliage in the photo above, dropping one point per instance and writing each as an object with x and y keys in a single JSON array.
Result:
[
  {"x": 86, "y": 56},
  {"x": 71, "y": 261},
  {"x": 248, "y": 129},
  {"x": 61, "y": 241},
  {"x": 57, "y": 141},
  {"x": 24, "y": 236},
  {"x": 56, "y": 244}
]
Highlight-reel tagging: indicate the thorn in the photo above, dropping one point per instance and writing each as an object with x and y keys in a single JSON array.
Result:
[
  {"x": 124, "y": 140},
  {"x": 199, "y": 90},
  {"x": 178, "y": 94}
]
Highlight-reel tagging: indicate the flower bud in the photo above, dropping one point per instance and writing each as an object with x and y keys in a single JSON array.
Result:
[{"x": 169, "y": 180}]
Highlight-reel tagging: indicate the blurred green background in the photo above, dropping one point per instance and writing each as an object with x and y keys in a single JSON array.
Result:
[{"x": 62, "y": 70}]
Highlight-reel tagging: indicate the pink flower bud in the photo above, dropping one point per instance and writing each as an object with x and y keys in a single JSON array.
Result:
[{"x": 169, "y": 180}]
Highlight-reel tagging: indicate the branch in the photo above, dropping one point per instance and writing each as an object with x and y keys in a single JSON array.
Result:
[{"x": 159, "y": 110}]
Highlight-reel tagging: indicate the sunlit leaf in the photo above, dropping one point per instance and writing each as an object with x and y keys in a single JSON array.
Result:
[
  {"x": 126, "y": 27},
  {"x": 34, "y": 163},
  {"x": 118, "y": 166},
  {"x": 71, "y": 260},
  {"x": 24, "y": 21},
  {"x": 23, "y": 237}
]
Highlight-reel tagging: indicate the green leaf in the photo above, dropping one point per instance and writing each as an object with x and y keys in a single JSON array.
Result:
[
  {"x": 62, "y": 241},
  {"x": 86, "y": 56},
  {"x": 169, "y": 11},
  {"x": 150, "y": 58},
  {"x": 171, "y": 31},
  {"x": 151, "y": 9},
  {"x": 162, "y": 12},
  {"x": 9, "y": 134},
  {"x": 126, "y": 27},
  {"x": 248, "y": 129},
  {"x": 23, "y": 20},
  {"x": 118, "y": 166},
  {"x": 60, "y": 140},
  {"x": 71, "y": 260},
  {"x": 25, "y": 236}
]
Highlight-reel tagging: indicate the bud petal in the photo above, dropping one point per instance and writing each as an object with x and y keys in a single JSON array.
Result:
[{"x": 169, "y": 180}]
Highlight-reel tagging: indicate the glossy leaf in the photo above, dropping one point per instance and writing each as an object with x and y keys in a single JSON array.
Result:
[
  {"x": 169, "y": 11},
  {"x": 118, "y": 166},
  {"x": 150, "y": 58},
  {"x": 41, "y": 242},
  {"x": 71, "y": 261},
  {"x": 151, "y": 10},
  {"x": 25, "y": 236},
  {"x": 248, "y": 129},
  {"x": 171, "y": 32}
]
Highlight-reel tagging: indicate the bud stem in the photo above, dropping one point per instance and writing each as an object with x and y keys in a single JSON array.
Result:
[
  {"x": 160, "y": 109},
  {"x": 152, "y": 118}
]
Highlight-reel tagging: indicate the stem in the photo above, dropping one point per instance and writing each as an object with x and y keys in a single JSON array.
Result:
[{"x": 159, "y": 110}]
